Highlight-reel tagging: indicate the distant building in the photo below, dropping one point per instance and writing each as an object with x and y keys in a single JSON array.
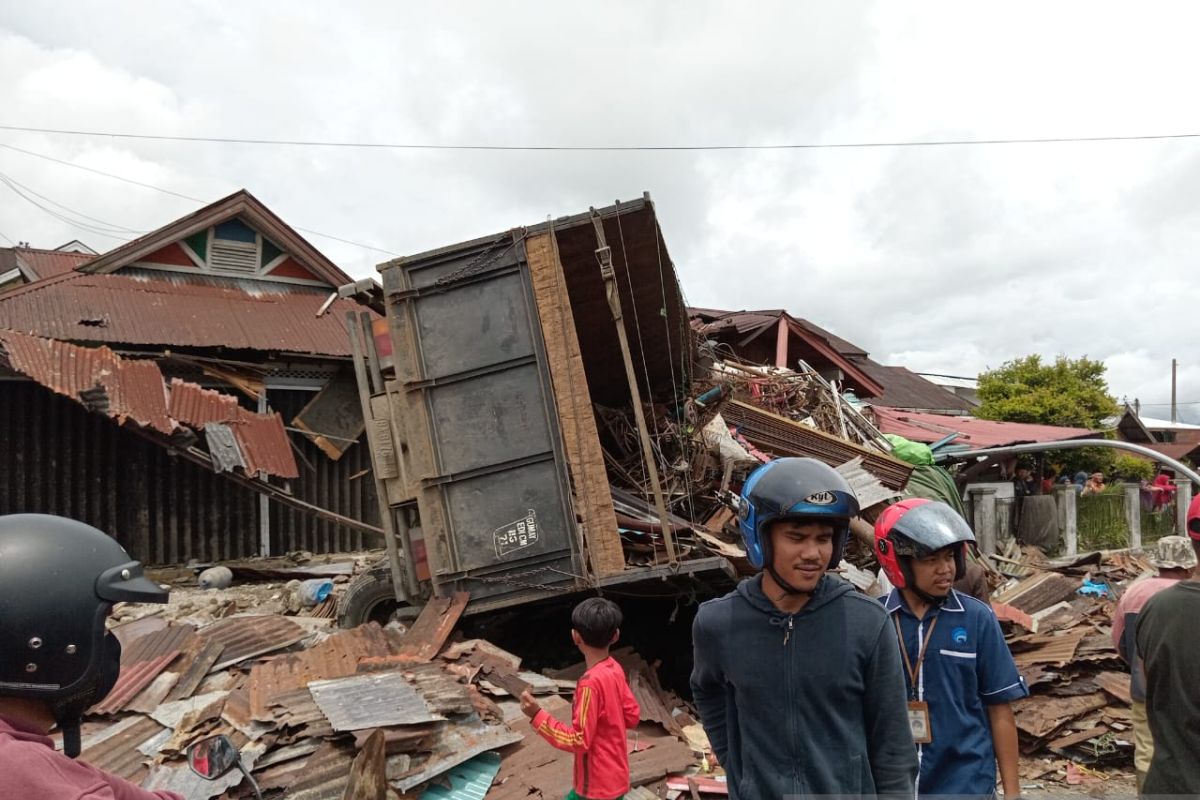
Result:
[{"x": 777, "y": 338}]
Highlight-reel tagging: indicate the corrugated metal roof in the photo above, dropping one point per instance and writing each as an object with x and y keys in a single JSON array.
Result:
[
  {"x": 325, "y": 774},
  {"x": 133, "y": 390},
  {"x": 1056, "y": 651},
  {"x": 976, "y": 433},
  {"x": 115, "y": 750},
  {"x": 458, "y": 744},
  {"x": 198, "y": 665},
  {"x": 172, "y": 639},
  {"x": 178, "y": 310},
  {"x": 469, "y": 781},
  {"x": 97, "y": 377},
  {"x": 903, "y": 388},
  {"x": 371, "y": 701},
  {"x": 48, "y": 263},
  {"x": 134, "y": 677},
  {"x": 248, "y": 636},
  {"x": 336, "y": 657}
]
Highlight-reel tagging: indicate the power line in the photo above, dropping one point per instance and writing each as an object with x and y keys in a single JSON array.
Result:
[
  {"x": 110, "y": 233},
  {"x": 600, "y": 148},
  {"x": 172, "y": 193},
  {"x": 111, "y": 225}
]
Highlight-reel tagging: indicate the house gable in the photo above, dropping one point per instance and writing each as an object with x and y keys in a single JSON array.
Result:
[{"x": 237, "y": 237}]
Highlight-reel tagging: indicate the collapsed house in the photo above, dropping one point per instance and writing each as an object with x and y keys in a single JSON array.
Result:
[{"x": 224, "y": 319}]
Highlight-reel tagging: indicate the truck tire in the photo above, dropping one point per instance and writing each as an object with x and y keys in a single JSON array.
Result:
[{"x": 370, "y": 597}]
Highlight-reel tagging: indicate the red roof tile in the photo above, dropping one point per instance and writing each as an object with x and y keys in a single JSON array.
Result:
[
  {"x": 179, "y": 310},
  {"x": 976, "y": 433}
]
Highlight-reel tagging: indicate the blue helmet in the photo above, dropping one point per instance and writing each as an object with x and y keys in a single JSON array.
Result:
[{"x": 794, "y": 488}]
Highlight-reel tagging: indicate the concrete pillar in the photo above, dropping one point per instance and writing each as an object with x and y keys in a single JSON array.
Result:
[
  {"x": 984, "y": 502},
  {"x": 1068, "y": 519},
  {"x": 1183, "y": 499},
  {"x": 1133, "y": 514}
]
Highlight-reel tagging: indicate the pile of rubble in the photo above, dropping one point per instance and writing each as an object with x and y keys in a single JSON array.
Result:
[
  {"x": 1057, "y": 614},
  {"x": 315, "y": 709}
]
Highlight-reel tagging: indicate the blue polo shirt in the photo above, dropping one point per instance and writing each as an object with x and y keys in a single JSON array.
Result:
[{"x": 967, "y": 668}]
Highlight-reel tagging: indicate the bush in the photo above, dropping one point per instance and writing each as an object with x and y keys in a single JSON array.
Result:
[{"x": 1132, "y": 468}]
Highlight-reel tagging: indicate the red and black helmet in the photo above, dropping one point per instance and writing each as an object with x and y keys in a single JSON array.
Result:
[
  {"x": 1193, "y": 519},
  {"x": 918, "y": 528}
]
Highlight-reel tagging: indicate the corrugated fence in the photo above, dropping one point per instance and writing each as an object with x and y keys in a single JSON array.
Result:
[{"x": 59, "y": 459}]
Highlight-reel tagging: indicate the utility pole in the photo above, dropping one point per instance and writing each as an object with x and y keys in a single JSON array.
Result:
[{"x": 1174, "y": 373}]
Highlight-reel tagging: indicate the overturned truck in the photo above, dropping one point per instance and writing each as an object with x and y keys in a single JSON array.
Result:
[{"x": 480, "y": 389}]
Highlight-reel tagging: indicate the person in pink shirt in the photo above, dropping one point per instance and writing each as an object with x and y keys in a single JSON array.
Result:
[
  {"x": 1175, "y": 560},
  {"x": 58, "y": 582}
]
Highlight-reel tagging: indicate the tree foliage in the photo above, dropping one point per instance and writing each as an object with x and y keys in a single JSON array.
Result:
[{"x": 1068, "y": 392}]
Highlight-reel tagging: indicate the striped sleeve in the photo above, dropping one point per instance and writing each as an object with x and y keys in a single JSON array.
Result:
[{"x": 578, "y": 736}]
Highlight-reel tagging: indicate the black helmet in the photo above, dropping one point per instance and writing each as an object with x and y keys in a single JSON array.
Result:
[
  {"x": 58, "y": 580},
  {"x": 794, "y": 488}
]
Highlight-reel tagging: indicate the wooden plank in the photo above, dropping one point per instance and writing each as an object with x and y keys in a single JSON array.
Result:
[
  {"x": 581, "y": 440},
  {"x": 1077, "y": 738},
  {"x": 428, "y": 635}
]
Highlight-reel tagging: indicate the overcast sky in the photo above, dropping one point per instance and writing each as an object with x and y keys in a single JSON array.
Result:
[{"x": 943, "y": 259}]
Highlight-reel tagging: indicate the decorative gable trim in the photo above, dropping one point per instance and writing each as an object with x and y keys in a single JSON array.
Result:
[{"x": 241, "y": 205}]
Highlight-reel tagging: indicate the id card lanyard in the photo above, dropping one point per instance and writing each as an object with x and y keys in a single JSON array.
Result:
[{"x": 918, "y": 710}]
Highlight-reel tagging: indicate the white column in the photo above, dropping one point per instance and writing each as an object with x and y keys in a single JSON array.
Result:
[
  {"x": 1183, "y": 499},
  {"x": 1068, "y": 516},
  {"x": 1133, "y": 514},
  {"x": 984, "y": 502}
]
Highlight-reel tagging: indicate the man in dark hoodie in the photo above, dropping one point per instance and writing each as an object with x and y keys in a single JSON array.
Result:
[{"x": 797, "y": 677}]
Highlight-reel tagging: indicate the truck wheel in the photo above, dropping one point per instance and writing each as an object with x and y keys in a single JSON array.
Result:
[{"x": 370, "y": 598}]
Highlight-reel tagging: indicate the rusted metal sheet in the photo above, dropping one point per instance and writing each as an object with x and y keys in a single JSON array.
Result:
[
  {"x": 444, "y": 692},
  {"x": 297, "y": 709},
  {"x": 198, "y": 665},
  {"x": 429, "y": 633},
  {"x": 371, "y": 701},
  {"x": 458, "y": 744},
  {"x": 95, "y": 376},
  {"x": 323, "y": 777},
  {"x": 261, "y": 439},
  {"x": 781, "y": 436},
  {"x": 178, "y": 310},
  {"x": 1041, "y": 591},
  {"x": 654, "y": 763},
  {"x": 172, "y": 639},
  {"x": 1116, "y": 684},
  {"x": 336, "y": 657},
  {"x": 249, "y": 636},
  {"x": 115, "y": 750},
  {"x": 133, "y": 391},
  {"x": 153, "y": 695},
  {"x": 1041, "y": 716},
  {"x": 533, "y": 767},
  {"x": 134, "y": 677},
  {"x": 1056, "y": 650},
  {"x": 48, "y": 263}
]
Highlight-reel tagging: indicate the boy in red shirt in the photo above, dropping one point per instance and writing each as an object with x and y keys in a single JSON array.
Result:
[{"x": 604, "y": 708}]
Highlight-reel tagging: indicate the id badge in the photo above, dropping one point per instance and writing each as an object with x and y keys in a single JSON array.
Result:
[{"x": 918, "y": 722}]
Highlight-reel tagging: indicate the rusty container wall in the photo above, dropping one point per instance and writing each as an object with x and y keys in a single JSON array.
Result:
[
  {"x": 344, "y": 486},
  {"x": 60, "y": 459},
  {"x": 483, "y": 438}
]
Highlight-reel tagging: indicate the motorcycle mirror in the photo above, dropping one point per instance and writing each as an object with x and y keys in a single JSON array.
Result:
[{"x": 212, "y": 757}]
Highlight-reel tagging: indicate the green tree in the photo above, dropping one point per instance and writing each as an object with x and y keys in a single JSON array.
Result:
[{"x": 1068, "y": 392}]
